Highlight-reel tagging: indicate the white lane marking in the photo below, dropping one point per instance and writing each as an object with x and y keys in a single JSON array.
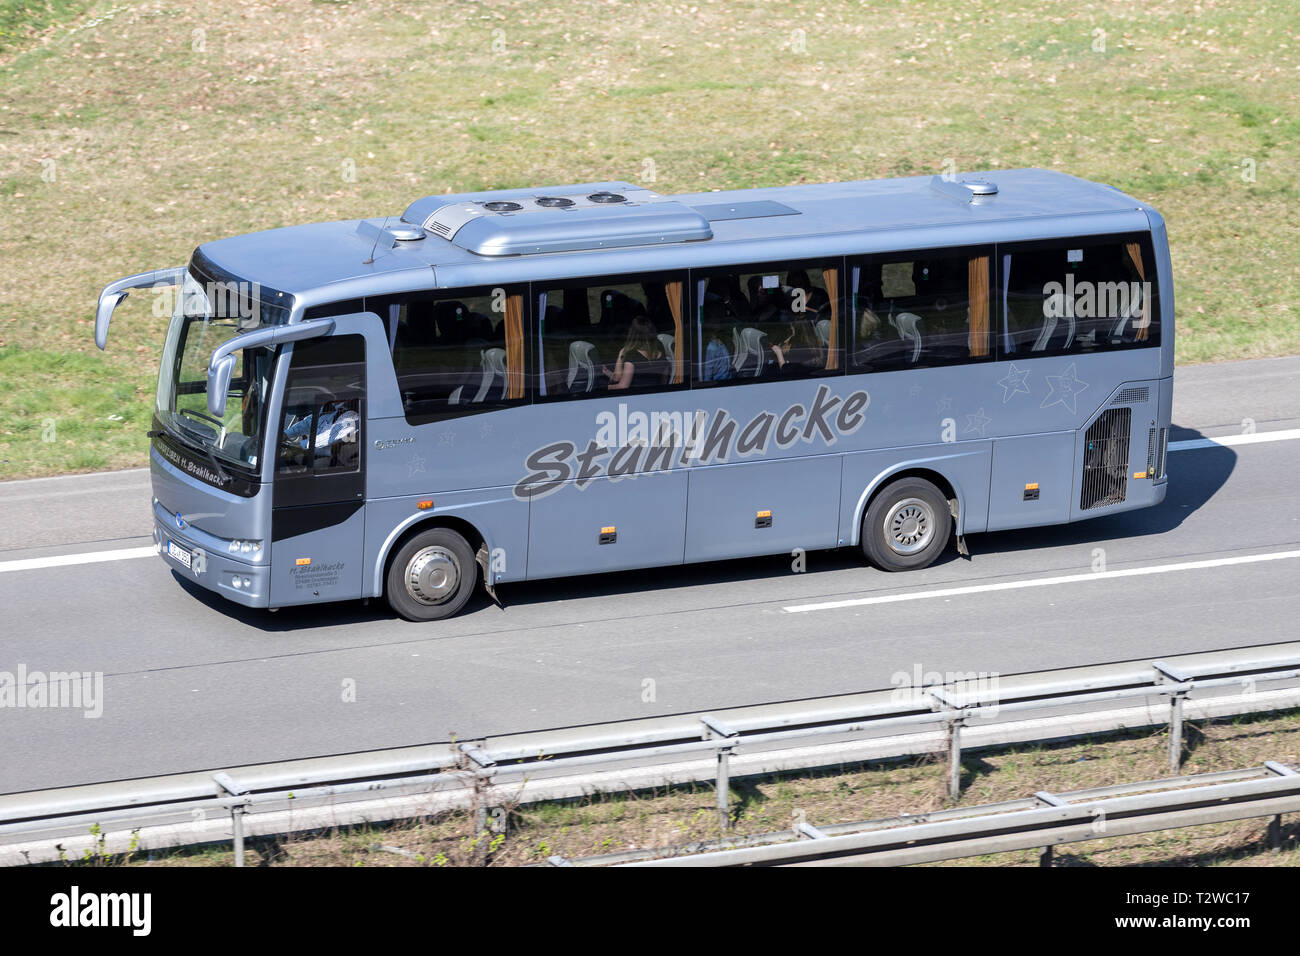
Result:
[
  {"x": 1045, "y": 582},
  {"x": 1252, "y": 438},
  {"x": 89, "y": 557},
  {"x": 124, "y": 473}
]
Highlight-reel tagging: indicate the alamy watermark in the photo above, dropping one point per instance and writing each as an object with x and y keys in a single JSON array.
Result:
[
  {"x": 74, "y": 690},
  {"x": 966, "y": 688},
  {"x": 1097, "y": 300},
  {"x": 217, "y": 300}
]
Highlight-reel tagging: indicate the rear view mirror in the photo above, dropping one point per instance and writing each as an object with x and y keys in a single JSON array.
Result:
[
  {"x": 113, "y": 294},
  {"x": 219, "y": 375}
]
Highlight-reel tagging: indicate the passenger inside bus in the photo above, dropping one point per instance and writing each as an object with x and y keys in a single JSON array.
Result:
[
  {"x": 801, "y": 351},
  {"x": 641, "y": 361}
]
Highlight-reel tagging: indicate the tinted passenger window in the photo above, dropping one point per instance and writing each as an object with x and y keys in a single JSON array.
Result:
[
  {"x": 764, "y": 322},
  {"x": 321, "y": 419},
  {"x": 1077, "y": 295},
  {"x": 920, "y": 309},
  {"x": 610, "y": 335},
  {"x": 458, "y": 353}
]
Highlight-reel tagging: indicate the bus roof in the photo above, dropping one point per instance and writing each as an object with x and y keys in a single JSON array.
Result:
[{"x": 616, "y": 227}]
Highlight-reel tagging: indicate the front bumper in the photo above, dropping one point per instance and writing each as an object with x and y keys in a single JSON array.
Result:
[{"x": 210, "y": 565}]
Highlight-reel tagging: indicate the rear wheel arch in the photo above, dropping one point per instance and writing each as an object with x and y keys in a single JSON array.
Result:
[
  {"x": 908, "y": 521},
  {"x": 938, "y": 479}
]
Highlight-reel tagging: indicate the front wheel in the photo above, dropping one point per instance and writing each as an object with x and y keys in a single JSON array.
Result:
[
  {"x": 431, "y": 576},
  {"x": 906, "y": 526}
]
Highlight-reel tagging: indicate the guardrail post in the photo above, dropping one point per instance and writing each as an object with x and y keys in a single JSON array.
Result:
[
  {"x": 954, "y": 757},
  {"x": 955, "y": 716},
  {"x": 1175, "y": 732},
  {"x": 237, "y": 825},
  {"x": 726, "y": 737},
  {"x": 1051, "y": 800},
  {"x": 1275, "y": 824},
  {"x": 479, "y": 764},
  {"x": 225, "y": 782},
  {"x": 1175, "y": 710}
]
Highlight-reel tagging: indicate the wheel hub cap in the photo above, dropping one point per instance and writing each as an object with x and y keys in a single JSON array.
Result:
[
  {"x": 909, "y": 526},
  {"x": 432, "y": 576}
]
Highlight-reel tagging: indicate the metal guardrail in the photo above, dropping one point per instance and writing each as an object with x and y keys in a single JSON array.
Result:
[
  {"x": 474, "y": 765},
  {"x": 1041, "y": 822}
]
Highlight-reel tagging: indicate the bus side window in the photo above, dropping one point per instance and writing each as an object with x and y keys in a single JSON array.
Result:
[
  {"x": 920, "y": 309},
  {"x": 321, "y": 417},
  {"x": 1077, "y": 295},
  {"x": 611, "y": 334},
  {"x": 767, "y": 321},
  {"x": 457, "y": 353}
]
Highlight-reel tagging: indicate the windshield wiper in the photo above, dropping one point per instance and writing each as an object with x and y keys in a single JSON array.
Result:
[{"x": 155, "y": 433}]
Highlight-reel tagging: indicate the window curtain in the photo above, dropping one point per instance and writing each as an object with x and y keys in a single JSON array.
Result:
[
  {"x": 1008, "y": 343},
  {"x": 978, "y": 291},
  {"x": 831, "y": 277},
  {"x": 515, "y": 346},
  {"x": 674, "y": 292},
  {"x": 1143, "y": 327}
]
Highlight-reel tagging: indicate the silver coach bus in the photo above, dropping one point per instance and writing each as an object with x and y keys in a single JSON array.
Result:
[{"x": 524, "y": 384}]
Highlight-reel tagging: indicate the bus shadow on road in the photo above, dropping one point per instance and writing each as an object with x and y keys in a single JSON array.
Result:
[
  {"x": 296, "y": 618},
  {"x": 1193, "y": 481}
]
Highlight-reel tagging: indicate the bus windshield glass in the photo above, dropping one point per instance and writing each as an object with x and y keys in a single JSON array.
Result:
[{"x": 206, "y": 315}]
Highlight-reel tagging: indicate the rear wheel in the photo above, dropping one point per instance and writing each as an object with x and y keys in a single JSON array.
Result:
[
  {"x": 906, "y": 526},
  {"x": 431, "y": 576}
]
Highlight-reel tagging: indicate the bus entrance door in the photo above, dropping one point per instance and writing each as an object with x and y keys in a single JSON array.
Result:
[{"x": 317, "y": 517}]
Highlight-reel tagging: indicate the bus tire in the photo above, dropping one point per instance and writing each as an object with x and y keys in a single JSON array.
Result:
[
  {"x": 431, "y": 576},
  {"x": 906, "y": 526}
]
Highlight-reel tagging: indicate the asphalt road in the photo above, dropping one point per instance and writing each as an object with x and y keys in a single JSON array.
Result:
[{"x": 192, "y": 682}]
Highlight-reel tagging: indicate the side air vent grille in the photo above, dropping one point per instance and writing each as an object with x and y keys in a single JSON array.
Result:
[
  {"x": 1157, "y": 448},
  {"x": 1132, "y": 396},
  {"x": 1105, "y": 460},
  {"x": 441, "y": 229}
]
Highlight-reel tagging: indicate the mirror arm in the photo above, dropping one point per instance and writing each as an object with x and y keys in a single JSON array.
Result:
[
  {"x": 221, "y": 367},
  {"x": 113, "y": 294}
]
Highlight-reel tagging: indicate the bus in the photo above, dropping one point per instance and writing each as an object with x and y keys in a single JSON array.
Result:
[{"x": 532, "y": 383}]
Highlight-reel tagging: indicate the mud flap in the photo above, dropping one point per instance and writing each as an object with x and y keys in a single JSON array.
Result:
[
  {"x": 484, "y": 563},
  {"x": 961, "y": 538}
]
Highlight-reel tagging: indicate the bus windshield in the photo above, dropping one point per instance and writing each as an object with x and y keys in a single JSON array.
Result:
[{"x": 207, "y": 315}]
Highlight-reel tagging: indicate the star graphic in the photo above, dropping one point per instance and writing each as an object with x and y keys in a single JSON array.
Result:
[
  {"x": 1065, "y": 390},
  {"x": 485, "y": 430},
  {"x": 1014, "y": 383},
  {"x": 416, "y": 464},
  {"x": 446, "y": 437},
  {"x": 945, "y": 405},
  {"x": 914, "y": 391},
  {"x": 976, "y": 423}
]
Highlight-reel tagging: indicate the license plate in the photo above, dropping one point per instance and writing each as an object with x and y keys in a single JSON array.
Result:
[{"x": 180, "y": 554}]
